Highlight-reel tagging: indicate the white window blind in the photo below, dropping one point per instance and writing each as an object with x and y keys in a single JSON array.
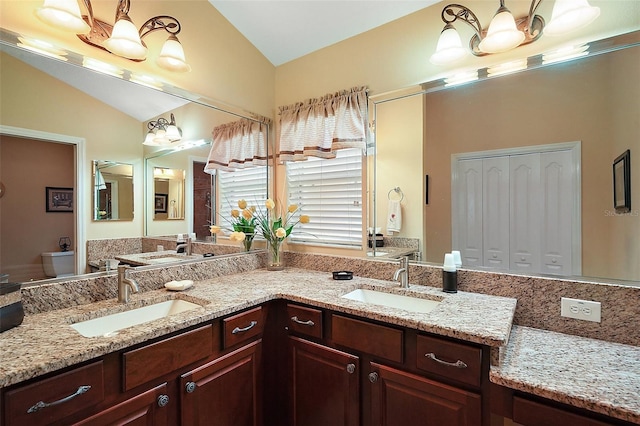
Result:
[
  {"x": 329, "y": 191},
  {"x": 248, "y": 184}
]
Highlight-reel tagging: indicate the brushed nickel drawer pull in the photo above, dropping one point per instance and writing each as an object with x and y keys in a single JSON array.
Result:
[
  {"x": 40, "y": 405},
  {"x": 457, "y": 364},
  {"x": 190, "y": 387},
  {"x": 309, "y": 322},
  {"x": 247, "y": 328},
  {"x": 373, "y": 377},
  {"x": 351, "y": 368}
]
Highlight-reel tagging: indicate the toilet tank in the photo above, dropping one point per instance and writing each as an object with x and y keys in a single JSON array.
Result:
[{"x": 58, "y": 263}]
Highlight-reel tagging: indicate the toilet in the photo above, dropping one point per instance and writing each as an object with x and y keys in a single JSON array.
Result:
[{"x": 58, "y": 264}]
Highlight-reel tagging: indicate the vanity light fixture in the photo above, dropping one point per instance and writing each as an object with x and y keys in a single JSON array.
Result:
[
  {"x": 162, "y": 132},
  {"x": 505, "y": 32},
  {"x": 121, "y": 39}
]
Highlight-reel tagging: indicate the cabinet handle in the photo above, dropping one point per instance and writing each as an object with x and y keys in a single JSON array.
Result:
[
  {"x": 457, "y": 364},
  {"x": 41, "y": 404},
  {"x": 190, "y": 387},
  {"x": 249, "y": 327},
  {"x": 163, "y": 400},
  {"x": 351, "y": 368},
  {"x": 309, "y": 322},
  {"x": 373, "y": 377}
]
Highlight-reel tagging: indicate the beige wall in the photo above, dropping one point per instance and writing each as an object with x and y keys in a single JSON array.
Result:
[
  {"x": 564, "y": 103},
  {"x": 399, "y": 162},
  {"x": 27, "y": 167}
]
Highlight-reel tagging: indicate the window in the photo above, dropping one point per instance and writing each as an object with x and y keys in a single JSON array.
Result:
[
  {"x": 329, "y": 191},
  {"x": 243, "y": 184}
]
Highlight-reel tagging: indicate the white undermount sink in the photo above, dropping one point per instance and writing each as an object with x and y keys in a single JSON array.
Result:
[
  {"x": 376, "y": 254},
  {"x": 408, "y": 303},
  {"x": 107, "y": 325}
]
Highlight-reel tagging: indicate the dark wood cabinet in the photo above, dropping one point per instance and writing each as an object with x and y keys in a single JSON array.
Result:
[
  {"x": 324, "y": 385},
  {"x": 150, "y": 408},
  {"x": 399, "y": 398},
  {"x": 224, "y": 392}
]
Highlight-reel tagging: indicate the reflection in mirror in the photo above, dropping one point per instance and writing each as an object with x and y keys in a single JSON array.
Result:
[
  {"x": 112, "y": 190},
  {"x": 587, "y": 100},
  {"x": 168, "y": 193}
]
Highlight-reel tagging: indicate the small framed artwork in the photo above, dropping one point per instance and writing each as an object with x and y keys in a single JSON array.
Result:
[
  {"x": 59, "y": 199},
  {"x": 161, "y": 203},
  {"x": 622, "y": 183}
]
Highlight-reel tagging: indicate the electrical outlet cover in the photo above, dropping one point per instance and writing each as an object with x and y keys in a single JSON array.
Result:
[{"x": 586, "y": 310}]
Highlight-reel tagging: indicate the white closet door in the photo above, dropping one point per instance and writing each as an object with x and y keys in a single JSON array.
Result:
[
  {"x": 557, "y": 182},
  {"x": 468, "y": 212},
  {"x": 524, "y": 238},
  {"x": 495, "y": 225}
]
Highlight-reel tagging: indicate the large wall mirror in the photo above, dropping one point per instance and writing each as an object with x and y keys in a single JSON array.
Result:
[
  {"x": 112, "y": 190},
  {"x": 593, "y": 101},
  {"x": 106, "y": 117}
]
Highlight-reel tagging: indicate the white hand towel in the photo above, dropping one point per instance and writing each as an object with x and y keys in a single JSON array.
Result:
[{"x": 394, "y": 219}]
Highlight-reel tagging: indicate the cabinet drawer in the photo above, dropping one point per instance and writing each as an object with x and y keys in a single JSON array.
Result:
[
  {"x": 377, "y": 340},
  {"x": 305, "y": 320},
  {"x": 455, "y": 361},
  {"x": 51, "y": 400},
  {"x": 242, "y": 327},
  {"x": 153, "y": 361},
  {"x": 530, "y": 413}
]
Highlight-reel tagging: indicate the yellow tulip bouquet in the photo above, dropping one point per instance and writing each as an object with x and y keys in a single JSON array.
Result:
[
  {"x": 243, "y": 225},
  {"x": 275, "y": 227}
]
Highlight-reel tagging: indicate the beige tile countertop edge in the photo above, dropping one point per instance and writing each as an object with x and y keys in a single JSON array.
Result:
[
  {"x": 600, "y": 376},
  {"x": 45, "y": 342}
]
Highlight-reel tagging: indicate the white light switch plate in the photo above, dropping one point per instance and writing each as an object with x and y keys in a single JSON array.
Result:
[{"x": 580, "y": 309}]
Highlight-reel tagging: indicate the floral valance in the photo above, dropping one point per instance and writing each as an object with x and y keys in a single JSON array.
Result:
[
  {"x": 238, "y": 144},
  {"x": 319, "y": 127}
]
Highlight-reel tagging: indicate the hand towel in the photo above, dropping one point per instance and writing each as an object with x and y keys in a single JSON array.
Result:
[{"x": 394, "y": 219}]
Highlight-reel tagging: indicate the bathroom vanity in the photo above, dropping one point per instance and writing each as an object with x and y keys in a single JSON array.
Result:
[{"x": 275, "y": 348}]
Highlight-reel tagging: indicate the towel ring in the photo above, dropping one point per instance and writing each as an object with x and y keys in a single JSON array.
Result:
[{"x": 397, "y": 190}]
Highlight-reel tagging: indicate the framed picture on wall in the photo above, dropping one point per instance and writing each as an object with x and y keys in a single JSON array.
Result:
[
  {"x": 622, "y": 183},
  {"x": 59, "y": 199},
  {"x": 161, "y": 203}
]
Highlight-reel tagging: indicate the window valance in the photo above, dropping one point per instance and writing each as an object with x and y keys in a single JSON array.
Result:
[
  {"x": 238, "y": 144},
  {"x": 319, "y": 127}
]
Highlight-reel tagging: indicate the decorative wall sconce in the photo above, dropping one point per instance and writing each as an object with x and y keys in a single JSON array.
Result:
[
  {"x": 162, "y": 132},
  {"x": 122, "y": 39},
  {"x": 505, "y": 32}
]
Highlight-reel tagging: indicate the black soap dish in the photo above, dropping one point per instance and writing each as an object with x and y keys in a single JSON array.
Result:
[{"x": 343, "y": 275}]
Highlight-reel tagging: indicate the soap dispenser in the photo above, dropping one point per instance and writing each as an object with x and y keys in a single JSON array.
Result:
[{"x": 449, "y": 275}]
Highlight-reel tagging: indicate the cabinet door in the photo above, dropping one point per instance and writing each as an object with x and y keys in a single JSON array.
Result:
[
  {"x": 400, "y": 399},
  {"x": 495, "y": 212},
  {"x": 324, "y": 386},
  {"x": 226, "y": 391},
  {"x": 467, "y": 212},
  {"x": 150, "y": 408}
]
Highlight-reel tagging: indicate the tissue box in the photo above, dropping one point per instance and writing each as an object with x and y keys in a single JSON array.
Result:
[
  {"x": 378, "y": 239},
  {"x": 11, "y": 311}
]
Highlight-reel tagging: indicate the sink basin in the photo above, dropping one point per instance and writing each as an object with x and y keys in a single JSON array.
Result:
[
  {"x": 408, "y": 303},
  {"x": 108, "y": 325},
  {"x": 376, "y": 254}
]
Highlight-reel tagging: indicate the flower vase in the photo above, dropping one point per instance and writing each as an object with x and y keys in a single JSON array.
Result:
[
  {"x": 248, "y": 241},
  {"x": 275, "y": 257}
]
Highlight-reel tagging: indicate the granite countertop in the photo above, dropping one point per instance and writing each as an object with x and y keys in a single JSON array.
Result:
[
  {"x": 391, "y": 252},
  {"x": 45, "y": 342},
  {"x": 593, "y": 374}
]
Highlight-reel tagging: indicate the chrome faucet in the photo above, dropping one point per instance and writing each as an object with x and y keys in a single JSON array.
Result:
[
  {"x": 125, "y": 284},
  {"x": 186, "y": 246},
  {"x": 403, "y": 272}
]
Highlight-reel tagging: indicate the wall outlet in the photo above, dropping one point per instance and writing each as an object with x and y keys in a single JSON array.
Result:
[{"x": 580, "y": 309}]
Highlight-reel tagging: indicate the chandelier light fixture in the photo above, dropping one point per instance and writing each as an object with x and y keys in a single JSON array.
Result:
[
  {"x": 162, "y": 132},
  {"x": 121, "y": 39},
  {"x": 505, "y": 32}
]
